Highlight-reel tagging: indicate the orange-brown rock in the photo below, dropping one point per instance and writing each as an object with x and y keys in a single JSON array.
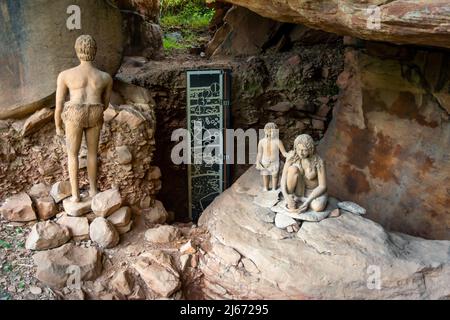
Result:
[
  {"x": 387, "y": 145},
  {"x": 424, "y": 22}
]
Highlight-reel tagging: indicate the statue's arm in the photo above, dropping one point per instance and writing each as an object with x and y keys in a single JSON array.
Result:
[
  {"x": 282, "y": 148},
  {"x": 107, "y": 92},
  {"x": 61, "y": 93},
  {"x": 259, "y": 154}
]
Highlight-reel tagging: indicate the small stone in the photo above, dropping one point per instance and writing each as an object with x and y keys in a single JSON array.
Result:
[
  {"x": 157, "y": 214},
  {"x": 47, "y": 235},
  {"x": 281, "y": 107},
  {"x": 124, "y": 155},
  {"x": 106, "y": 202},
  {"x": 109, "y": 114},
  {"x": 46, "y": 208},
  {"x": 122, "y": 283},
  {"x": 187, "y": 248},
  {"x": 335, "y": 213},
  {"x": 351, "y": 207},
  {"x": 56, "y": 265},
  {"x": 40, "y": 190},
  {"x": 60, "y": 191},
  {"x": 226, "y": 254},
  {"x": 18, "y": 208},
  {"x": 162, "y": 234},
  {"x": 146, "y": 202},
  {"x": 102, "y": 232},
  {"x": 125, "y": 229},
  {"x": 77, "y": 209},
  {"x": 35, "y": 290},
  {"x": 289, "y": 229},
  {"x": 78, "y": 226},
  {"x": 154, "y": 173},
  {"x": 130, "y": 117},
  {"x": 121, "y": 217},
  {"x": 282, "y": 221}
]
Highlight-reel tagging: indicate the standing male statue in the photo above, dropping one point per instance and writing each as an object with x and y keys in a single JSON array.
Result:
[{"x": 89, "y": 90}]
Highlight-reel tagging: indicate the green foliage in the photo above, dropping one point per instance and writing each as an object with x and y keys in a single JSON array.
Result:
[
  {"x": 171, "y": 44},
  {"x": 7, "y": 267},
  {"x": 5, "y": 244}
]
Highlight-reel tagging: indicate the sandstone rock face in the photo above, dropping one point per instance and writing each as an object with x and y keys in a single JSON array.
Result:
[
  {"x": 56, "y": 265},
  {"x": 387, "y": 145},
  {"x": 18, "y": 208},
  {"x": 106, "y": 202},
  {"x": 162, "y": 234},
  {"x": 37, "y": 120},
  {"x": 102, "y": 232},
  {"x": 47, "y": 29},
  {"x": 47, "y": 235},
  {"x": 398, "y": 18},
  {"x": 331, "y": 259}
]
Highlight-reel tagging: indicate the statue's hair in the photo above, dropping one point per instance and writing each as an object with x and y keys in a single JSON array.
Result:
[
  {"x": 86, "y": 48},
  {"x": 307, "y": 141},
  {"x": 270, "y": 125}
]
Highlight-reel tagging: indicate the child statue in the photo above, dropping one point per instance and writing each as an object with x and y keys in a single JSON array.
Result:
[
  {"x": 89, "y": 90},
  {"x": 304, "y": 177},
  {"x": 267, "y": 159}
]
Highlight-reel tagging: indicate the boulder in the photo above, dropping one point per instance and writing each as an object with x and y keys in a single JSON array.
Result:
[
  {"x": 27, "y": 27},
  {"x": 18, "y": 208},
  {"x": 78, "y": 226},
  {"x": 56, "y": 265},
  {"x": 46, "y": 208},
  {"x": 40, "y": 190},
  {"x": 121, "y": 217},
  {"x": 47, "y": 235},
  {"x": 37, "y": 120},
  {"x": 160, "y": 278},
  {"x": 351, "y": 207},
  {"x": 106, "y": 202},
  {"x": 386, "y": 146},
  {"x": 130, "y": 117},
  {"x": 162, "y": 234},
  {"x": 397, "y": 19},
  {"x": 228, "y": 255},
  {"x": 124, "y": 229},
  {"x": 102, "y": 232},
  {"x": 60, "y": 190},
  {"x": 157, "y": 214},
  {"x": 348, "y": 257}
]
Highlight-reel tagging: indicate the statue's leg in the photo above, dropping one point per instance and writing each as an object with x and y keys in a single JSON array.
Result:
[
  {"x": 320, "y": 203},
  {"x": 274, "y": 181},
  {"x": 266, "y": 182},
  {"x": 74, "y": 133},
  {"x": 92, "y": 140},
  {"x": 293, "y": 175}
]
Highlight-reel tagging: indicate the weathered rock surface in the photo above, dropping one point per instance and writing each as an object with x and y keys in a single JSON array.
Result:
[
  {"x": 60, "y": 190},
  {"x": 47, "y": 235},
  {"x": 122, "y": 282},
  {"x": 18, "y": 208},
  {"x": 106, "y": 202},
  {"x": 56, "y": 265},
  {"x": 102, "y": 232},
  {"x": 386, "y": 146},
  {"x": 162, "y": 234},
  {"x": 39, "y": 190},
  {"x": 78, "y": 226},
  {"x": 27, "y": 27},
  {"x": 158, "y": 272},
  {"x": 330, "y": 259},
  {"x": 37, "y": 120},
  {"x": 156, "y": 214},
  {"x": 398, "y": 19},
  {"x": 351, "y": 207},
  {"x": 46, "y": 208}
]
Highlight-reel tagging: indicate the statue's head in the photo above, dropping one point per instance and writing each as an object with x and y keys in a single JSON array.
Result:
[
  {"x": 304, "y": 146},
  {"x": 86, "y": 48},
  {"x": 271, "y": 130}
]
